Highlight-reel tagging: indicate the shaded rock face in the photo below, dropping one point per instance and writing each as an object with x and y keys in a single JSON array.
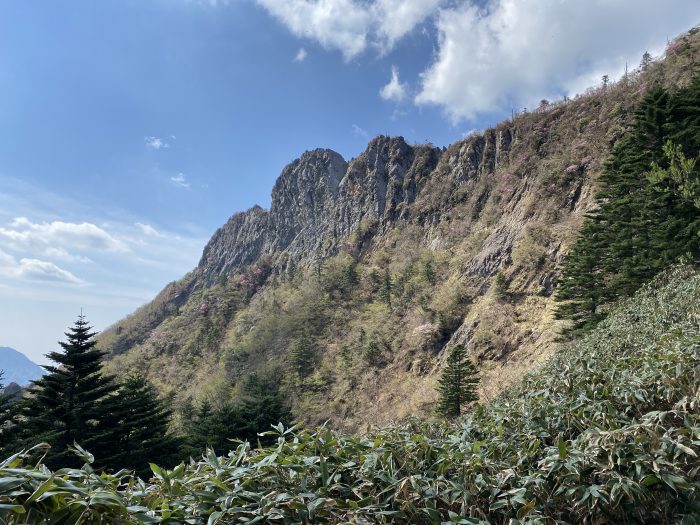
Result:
[
  {"x": 237, "y": 243},
  {"x": 317, "y": 202},
  {"x": 383, "y": 181},
  {"x": 303, "y": 196}
]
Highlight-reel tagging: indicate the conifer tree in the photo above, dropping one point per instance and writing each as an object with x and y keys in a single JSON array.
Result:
[
  {"x": 66, "y": 404},
  {"x": 581, "y": 291},
  {"x": 639, "y": 227},
  {"x": 260, "y": 406},
  {"x": 301, "y": 357},
  {"x": 134, "y": 431},
  {"x": 349, "y": 276},
  {"x": 429, "y": 272},
  {"x": 458, "y": 383},
  {"x": 9, "y": 431},
  {"x": 371, "y": 352},
  {"x": 385, "y": 287},
  {"x": 205, "y": 431},
  {"x": 4, "y": 415},
  {"x": 4, "y": 398}
]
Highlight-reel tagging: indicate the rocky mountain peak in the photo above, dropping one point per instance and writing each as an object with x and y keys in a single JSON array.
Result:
[
  {"x": 305, "y": 191},
  {"x": 245, "y": 233},
  {"x": 317, "y": 201},
  {"x": 384, "y": 176}
]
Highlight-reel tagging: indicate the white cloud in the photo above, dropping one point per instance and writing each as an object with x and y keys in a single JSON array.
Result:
[
  {"x": 23, "y": 234},
  {"x": 360, "y": 132},
  {"x": 63, "y": 255},
  {"x": 180, "y": 180},
  {"x": 335, "y": 24},
  {"x": 351, "y": 26},
  {"x": 35, "y": 270},
  {"x": 394, "y": 90},
  {"x": 512, "y": 53},
  {"x": 396, "y": 18},
  {"x": 6, "y": 260},
  {"x": 148, "y": 230},
  {"x": 156, "y": 143},
  {"x": 495, "y": 55},
  {"x": 301, "y": 55},
  {"x": 115, "y": 285}
]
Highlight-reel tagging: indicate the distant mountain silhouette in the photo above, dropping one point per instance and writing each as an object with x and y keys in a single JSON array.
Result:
[{"x": 17, "y": 368}]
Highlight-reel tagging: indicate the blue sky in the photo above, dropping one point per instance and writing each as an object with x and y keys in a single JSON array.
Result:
[{"x": 130, "y": 130}]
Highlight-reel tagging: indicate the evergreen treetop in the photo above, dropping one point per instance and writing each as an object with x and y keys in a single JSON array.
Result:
[
  {"x": 458, "y": 383},
  {"x": 134, "y": 429},
  {"x": 301, "y": 356},
  {"x": 66, "y": 404}
]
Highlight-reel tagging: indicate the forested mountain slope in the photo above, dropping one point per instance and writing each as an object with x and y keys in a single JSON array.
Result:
[
  {"x": 349, "y": 290},
  {"x": 606, "y": 432}
]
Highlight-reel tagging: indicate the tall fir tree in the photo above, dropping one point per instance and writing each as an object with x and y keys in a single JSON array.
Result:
[
  {"x": 385, "y": 287},
  {"x": 261, "y": 406},
  {"x": 5, "y": 416},
  {"x": 206, "y": 430},
  {"x": 581, "y": 291},
  {"x": 66, "y": 404},
  {"x": 134, "y": 429},
  {"x": 301, "y": 356},
  {"x": 458, "y": 384},
  {"x": 639, "y": 228},
  {"x": 10, "y": 437}
]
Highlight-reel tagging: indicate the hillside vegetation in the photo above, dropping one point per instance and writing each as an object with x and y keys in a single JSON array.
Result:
[
  {"x": 649, "y": 208},
  {"x": 607, "y": 432},
  {"x": 364, "y": 282},
  {"x": 378, "y": 266}
]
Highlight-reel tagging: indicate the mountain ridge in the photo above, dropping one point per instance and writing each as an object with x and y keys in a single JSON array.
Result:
[
  {"x": 390, "y": 263},
  {"x": 17, "y": 367},
  {"x": 312, "y": 193}
]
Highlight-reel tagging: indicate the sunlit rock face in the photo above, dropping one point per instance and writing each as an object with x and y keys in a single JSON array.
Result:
[{"x": 318, "y": 201}]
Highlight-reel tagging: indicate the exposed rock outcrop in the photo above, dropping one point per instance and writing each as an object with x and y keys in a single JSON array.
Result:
[{"x": 317, "y": 202}]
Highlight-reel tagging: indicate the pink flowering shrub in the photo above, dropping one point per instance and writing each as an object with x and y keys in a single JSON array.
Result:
[
  {"x": 507, "y": 182},
  {"x": 253, "y": 278},
  {"x": 572, "y": 169},
  {"x": 674, "y": 46},
  {"x": 245, "y": 281}
]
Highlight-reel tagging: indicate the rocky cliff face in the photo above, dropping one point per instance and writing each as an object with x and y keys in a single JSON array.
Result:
[
  {"x": 388, "y": 260},
  {"x": 507, "y": 202},
  {"x": 317, "y": 202}
]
